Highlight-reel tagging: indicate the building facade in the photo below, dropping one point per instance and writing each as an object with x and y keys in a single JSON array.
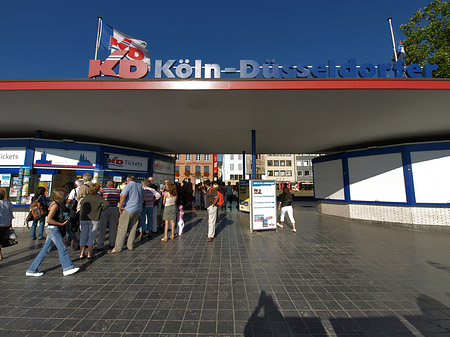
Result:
[{"x": 197, "y": 167}]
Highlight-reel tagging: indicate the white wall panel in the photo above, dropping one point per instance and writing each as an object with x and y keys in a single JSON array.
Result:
[
  {"x": 377, "y": 178},
  {"x": 328, "y": 180},
  {"x": 431, "y": 174}
]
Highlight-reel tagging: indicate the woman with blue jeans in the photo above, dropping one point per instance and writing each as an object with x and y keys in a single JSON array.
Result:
[
  {"x": 39, "y": 197},
  {"x": 54, "y": 238}
]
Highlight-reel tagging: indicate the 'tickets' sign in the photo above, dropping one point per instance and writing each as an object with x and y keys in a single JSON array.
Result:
[
  {"x": 9, "y": 157},
  {"x": 127, "y": 163}
]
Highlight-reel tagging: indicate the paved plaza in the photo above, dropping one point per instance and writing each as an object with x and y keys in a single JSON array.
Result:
[{"x": 334, "y": 277}]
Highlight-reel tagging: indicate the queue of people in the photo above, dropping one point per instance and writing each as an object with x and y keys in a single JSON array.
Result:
[{"x": 82, "y": 211}]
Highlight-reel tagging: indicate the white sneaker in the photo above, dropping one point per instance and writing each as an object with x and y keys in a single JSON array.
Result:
[
  {"x": 278, "y": 224},
  {"x": 70, "y": 271},
  {"x": 29, "y": 273},
  {"x": 294, "y": 230}
]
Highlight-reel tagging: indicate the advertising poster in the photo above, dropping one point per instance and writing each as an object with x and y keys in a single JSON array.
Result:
[
  {"x": 6, "y": 180},
  {"x": 244, "y": 195},
  {"x": 263, "y": 205},
  {"x": 98, "y": 176}
]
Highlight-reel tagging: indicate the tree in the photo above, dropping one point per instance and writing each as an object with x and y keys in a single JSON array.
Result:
[{"x": 428, "y": 37}]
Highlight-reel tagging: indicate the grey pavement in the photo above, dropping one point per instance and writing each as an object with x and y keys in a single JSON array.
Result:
[{"x": 334, "y": 277}]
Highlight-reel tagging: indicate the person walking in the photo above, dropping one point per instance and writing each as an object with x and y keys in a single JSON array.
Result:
[
  {"x": 54, "y": 238},
  {"x": 170, "y": 211},
  {"x": 211, "y": 201},
  {"x": 130, "y": 208},
  {"x": 91, "y": 207},
  {"x": 6, "y": 216},
  {"x": 39, "y": 223},
  {"x": 285, "y": 206}
]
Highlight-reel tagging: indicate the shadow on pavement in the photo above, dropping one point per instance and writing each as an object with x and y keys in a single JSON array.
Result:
[{"x": 267, "y": 320}]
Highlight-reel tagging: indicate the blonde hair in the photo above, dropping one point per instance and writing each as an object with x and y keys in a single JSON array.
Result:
[{"x": 94, "y": 188}]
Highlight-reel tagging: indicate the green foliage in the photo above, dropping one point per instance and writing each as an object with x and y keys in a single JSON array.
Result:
[{"x": 428, "y": 37}]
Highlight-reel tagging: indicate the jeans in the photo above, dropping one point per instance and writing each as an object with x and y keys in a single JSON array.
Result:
[
  {"x": 54, "y": 238},
  {"x": 40, "y": 229},
  {"x": 88, "y": 232},
  {"x": 147, "y": 214}
]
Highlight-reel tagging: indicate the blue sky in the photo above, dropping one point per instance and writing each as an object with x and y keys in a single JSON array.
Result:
[{"x": 51, "y": 39}]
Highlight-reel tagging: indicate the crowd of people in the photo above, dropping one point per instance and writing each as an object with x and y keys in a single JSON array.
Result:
[{"x": 81, "y": 212}]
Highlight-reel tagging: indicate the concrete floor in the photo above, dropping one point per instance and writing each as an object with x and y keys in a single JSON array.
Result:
[{"x": 334, "y": 277}]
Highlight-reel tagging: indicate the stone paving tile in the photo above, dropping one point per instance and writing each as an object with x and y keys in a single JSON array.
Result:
[{"x": 334, "y": 277}]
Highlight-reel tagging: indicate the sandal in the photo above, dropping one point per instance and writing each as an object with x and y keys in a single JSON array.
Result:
[
  {"x": 172, "y": 237},
  {"x": 82, "y": 257},
  {"x": 164, "y": 239},
  {"x": 91, "y": 257}
]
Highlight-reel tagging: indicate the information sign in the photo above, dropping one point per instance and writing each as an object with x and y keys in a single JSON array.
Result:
[{"x": 263, "y": 205}]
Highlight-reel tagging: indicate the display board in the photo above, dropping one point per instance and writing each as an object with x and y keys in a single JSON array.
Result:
[
  {"x": 431, "y": 176},
  {"x": 244, "y": 195},
  {"x": 328, "y": 180},
  {"x": 377, "y": 178},
  {"x": 263, "y": 205}
]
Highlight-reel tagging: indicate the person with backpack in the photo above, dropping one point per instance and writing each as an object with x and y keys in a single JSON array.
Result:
[
  {"x": 55, "y": 221},
  {"x": 39, "y": 209}
]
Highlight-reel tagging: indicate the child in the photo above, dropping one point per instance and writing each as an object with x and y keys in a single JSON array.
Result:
[{"x": 180, "y": 221}]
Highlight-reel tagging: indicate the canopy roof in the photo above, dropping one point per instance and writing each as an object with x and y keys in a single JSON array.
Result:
[{"x": 217, "y": 116}]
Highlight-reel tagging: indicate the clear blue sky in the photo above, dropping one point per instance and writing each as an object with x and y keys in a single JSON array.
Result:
[{"x": 56, "y": 39}]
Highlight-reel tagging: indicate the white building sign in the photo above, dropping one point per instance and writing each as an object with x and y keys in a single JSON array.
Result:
[
  {"x": 9, "y": 157},
  {"x": 127, "y": 163}
]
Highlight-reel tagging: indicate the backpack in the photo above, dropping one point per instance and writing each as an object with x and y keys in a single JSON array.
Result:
[
  {"x": 37, "y": 210},
  {"x": 221, "y": 199}
]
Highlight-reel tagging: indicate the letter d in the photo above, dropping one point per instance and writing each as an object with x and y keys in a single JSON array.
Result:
[
  {"x": 245, "y": 65},
  {"x": 348, "y": 69}
]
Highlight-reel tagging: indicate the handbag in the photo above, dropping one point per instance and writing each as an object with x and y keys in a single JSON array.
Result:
[{"x": 11, "y": 239}]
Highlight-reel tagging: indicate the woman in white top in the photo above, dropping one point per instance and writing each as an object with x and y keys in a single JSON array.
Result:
[{"x": 170, "y": 211}]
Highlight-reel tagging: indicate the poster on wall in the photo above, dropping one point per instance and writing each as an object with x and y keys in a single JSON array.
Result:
[
  {"x": 163, "y": 170},
  {"x": 6, "y": 180},
  {"x": 98, "y": 176},
  {"x": 244, "y": 195},
  {"x": 263, "y": 200},
  {"x": 64, "y": 158}
]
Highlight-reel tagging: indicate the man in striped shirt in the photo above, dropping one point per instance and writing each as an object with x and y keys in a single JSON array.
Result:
[
  {"x": 110, "y": 216},
  {"x": 150, "y": 195}
]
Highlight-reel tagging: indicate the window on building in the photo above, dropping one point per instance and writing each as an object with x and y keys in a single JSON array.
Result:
[
  {"x": 232, "y": 156},
  {"x": 299, "y": 163},
  {"x": 276, "y": 173},
  {"x": 276, "y": 163},
  {"x": 206, "y": 156},
  {"x": 187, "y": 168},
  {"x": 188, "y": 157},
  {"x": 300, "y": 173},
  {"x": 177, "y": 169},
  {"x": 198, "y": 157},
  {"x": 205, "y": 168},
  {"x": 270, "y": 173},
  {"x": 289, "y": 173},
  {"x": 306, "y": 173},
  {"x": 269, "y": 163},
  {"x": 288, "y": 163},
  {"x": 231, "y": 167},
  {"x": 177, "y": 157},
  {"x": 240, "y": 157},
  {"x": 198, "y": 169},
  {"x": 282, "y": 163},
  {"x": 240, "y": 167},
  {"x": 306, "y": 163},
  {"x": 282, "y": 173}
]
